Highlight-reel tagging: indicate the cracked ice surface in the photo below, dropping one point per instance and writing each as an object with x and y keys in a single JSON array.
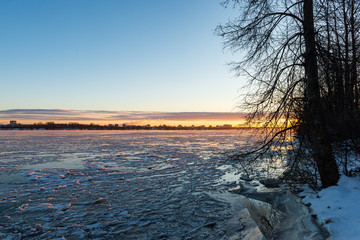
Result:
[{"x": 115, "y": 184}]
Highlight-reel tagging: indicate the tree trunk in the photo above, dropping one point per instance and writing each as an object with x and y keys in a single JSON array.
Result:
[
  {"x": 354, "y": 61},
  {"x": 348, "y": 88},
  {"x": 322, "y": 149},
  {"x": 340, "y": 97}
]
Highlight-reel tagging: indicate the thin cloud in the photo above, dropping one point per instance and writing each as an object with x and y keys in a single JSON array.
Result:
[
  {"x": 182, "y": 116},
  {"x": 59, "y": 115}
]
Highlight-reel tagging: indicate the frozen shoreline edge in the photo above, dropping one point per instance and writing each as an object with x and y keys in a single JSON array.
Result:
[{"x": 279, "y": 214}]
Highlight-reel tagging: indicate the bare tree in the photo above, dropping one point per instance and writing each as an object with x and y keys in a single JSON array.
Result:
[
  {"x": 314, "y": 113},
  {"x": 338, "y": 42},
  {"x": 281, "y": 63}
]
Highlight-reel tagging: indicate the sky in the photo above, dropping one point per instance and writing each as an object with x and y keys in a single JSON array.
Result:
[{"x": 93, "y": 56}]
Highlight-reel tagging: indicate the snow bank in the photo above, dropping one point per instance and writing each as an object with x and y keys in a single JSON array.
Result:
[{"x": 338, "y": 208}]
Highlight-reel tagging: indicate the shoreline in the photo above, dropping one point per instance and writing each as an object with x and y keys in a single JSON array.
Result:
[{"x": 273, "y": 212}]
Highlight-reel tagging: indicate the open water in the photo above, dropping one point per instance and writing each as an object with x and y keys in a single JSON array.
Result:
[{"x": 117, "y": 184}]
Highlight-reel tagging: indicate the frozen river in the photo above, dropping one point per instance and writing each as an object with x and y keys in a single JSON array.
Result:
[{"x": 116, "y": 184}]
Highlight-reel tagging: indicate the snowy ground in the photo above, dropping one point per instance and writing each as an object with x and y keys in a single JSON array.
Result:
[{"x": 338, "y": 208}]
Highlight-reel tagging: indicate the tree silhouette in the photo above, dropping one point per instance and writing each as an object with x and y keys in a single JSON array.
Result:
[{"x": 281, "y": 62}]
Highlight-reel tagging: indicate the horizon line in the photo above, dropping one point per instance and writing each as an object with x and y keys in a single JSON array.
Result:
[{"x": 120, "y": 117}]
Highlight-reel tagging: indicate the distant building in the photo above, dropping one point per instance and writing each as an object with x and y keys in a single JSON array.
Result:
[
  {"x": 13, "y": 123},
  {"x": 227, "y": 126}
]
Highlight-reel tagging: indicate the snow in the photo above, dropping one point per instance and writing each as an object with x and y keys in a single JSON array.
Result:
[{"x": 338, "y": 208}]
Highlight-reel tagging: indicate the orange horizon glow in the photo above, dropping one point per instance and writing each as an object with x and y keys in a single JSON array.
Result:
[
  {"x": 138, "y": 118},
  {"x": 135, "y": 118},
  {"x": 141, "y": 123}
]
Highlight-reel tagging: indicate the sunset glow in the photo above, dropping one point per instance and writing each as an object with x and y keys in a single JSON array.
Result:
[{"x": 28, "y": 116}]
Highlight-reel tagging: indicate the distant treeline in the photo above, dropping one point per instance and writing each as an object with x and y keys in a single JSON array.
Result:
[{"x": 78, "y": 126}]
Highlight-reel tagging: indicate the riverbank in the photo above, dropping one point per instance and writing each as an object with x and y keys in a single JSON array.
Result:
[
  {"x": 274, "y": 213},
  {"x": 277, "y": 213},
  {"x": 337, "y": 208}
]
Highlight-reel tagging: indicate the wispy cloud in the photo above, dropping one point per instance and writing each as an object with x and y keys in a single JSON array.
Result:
[{"x": 61, "y": 115}]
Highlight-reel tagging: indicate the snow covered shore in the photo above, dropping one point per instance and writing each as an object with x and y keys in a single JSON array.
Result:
[
  {"x": 333, "y": 213},
  {"x": 338, "y": 208}
]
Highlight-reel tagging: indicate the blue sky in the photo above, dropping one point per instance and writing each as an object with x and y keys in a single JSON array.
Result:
[{"x": 116, "y": 55}]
